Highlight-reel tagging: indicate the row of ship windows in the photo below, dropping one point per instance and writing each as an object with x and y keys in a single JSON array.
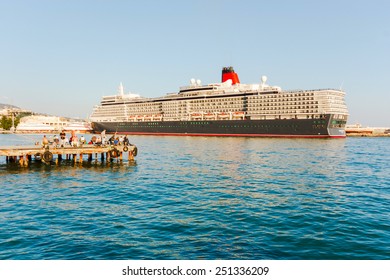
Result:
[
  {"x": 140, "y": 124},
  {"x": 182, "y": 113},
  {"x": 278, "y": 98},
  {"x": 283, "y": 112},
  {"x": 196, "y": 102},
  {"x": 338, "y": 122},
  {"x": 280, "y": 103},
  {"x": 154, "y": 107},
  {"x": 264, "y": 99},
  {"x": 298, "y": 94},
  {"x": 204, "y": 110},
  {"x": 282, "y": 108},
  {"x": 209, "y": 109},
  {"x": 138, "y": 105},
  {"x": 202, "y": 123},
  {"x": 216, "y": 103},
  {"x": 231, "y": 100},
  {"x": 291, "y": 97},
  {"x": 129, "y": 108},
  {"x": 122, "y": 111},
  {"x": 287, "y": 106},
  {"x": 322, "y": 93},
  {"x": 217, "y": 107},
  {"x": 204, "y": 104}
]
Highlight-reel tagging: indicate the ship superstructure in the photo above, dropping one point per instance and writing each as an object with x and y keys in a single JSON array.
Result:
[{"x": 228, "y": 108}]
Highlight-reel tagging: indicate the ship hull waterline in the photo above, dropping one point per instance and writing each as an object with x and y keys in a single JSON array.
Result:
[{"x": 289, "y": 128}]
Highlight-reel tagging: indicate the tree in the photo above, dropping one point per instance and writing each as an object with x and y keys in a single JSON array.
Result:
[{"x": 6, "y": 123}]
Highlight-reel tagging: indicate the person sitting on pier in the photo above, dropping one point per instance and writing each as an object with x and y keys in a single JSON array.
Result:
[
  {"x": 82, "y": 140},
  {"x": 93, "y": 140},
  {"x": 75, "y": 141},
  {"x": 111, "y": 140},
  {"x": 56, "y": 140},
  {"x": 66, "y": 141},
  {"x": 98, "y": 141},
  {"x": 63, "y": 137}
]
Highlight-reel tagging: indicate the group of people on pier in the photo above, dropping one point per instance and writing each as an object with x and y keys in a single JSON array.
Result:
[{"x": 74, "y": 141}]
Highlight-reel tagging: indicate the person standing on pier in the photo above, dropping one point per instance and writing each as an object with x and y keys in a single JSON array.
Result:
[
  {"x": 103, "y": 137},
  {"x": 62, "y": 136},
  {"x": 75, "y": 140},
  {"x": 125, "y": 141},
  {"x": 45, "y": 141}
]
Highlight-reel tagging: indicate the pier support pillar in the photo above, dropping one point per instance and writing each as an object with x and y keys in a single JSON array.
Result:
[
  {"x": 89, "y": 157},
  {"x": 23, "y": 161}
]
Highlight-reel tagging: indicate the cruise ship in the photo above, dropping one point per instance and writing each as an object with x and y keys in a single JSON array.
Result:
[{"x": 228, "y": 108}]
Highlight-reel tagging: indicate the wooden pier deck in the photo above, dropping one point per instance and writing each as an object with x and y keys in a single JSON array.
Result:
[{"x": 49, "y": 153}]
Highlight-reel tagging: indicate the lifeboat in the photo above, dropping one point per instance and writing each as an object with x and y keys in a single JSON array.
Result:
[
  {"x": 196, "y": 116},
  {"x": 223, "y": 115},
  {"x": 209, "y": 116},
  {"x": 238, "y": 114},
  {"x": 157, "y": 117}
]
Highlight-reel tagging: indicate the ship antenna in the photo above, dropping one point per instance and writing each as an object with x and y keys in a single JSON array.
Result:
[
  {"x": 341, "y": 86},
  {"x": 121, "y": 89}
]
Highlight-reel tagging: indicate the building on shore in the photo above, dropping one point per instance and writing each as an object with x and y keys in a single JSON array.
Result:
[{"x": 358, "y": 129}]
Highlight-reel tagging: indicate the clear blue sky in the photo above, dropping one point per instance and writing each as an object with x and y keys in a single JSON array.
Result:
[{"x": 60, "y": 57}]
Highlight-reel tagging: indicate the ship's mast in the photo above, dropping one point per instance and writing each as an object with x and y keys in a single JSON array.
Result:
[{"x": 120, "y": 89}]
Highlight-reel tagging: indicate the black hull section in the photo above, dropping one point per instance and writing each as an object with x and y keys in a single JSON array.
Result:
[{"x": 324, "y": 127}]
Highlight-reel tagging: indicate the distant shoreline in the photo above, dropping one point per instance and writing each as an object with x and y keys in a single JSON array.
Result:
[{"x": 368, "y": 134}]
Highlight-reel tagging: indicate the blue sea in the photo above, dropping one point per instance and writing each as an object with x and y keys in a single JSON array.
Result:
[{"x": 202, "y": 198}]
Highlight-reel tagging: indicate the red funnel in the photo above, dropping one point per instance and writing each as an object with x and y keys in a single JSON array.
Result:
[{"x": 229, "y": 74}]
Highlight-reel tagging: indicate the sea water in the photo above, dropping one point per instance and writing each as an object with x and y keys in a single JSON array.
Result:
[{"x": 202, "y": 198}]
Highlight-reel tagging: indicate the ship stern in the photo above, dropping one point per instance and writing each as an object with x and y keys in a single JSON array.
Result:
[{"x": 336, "y": 125}]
